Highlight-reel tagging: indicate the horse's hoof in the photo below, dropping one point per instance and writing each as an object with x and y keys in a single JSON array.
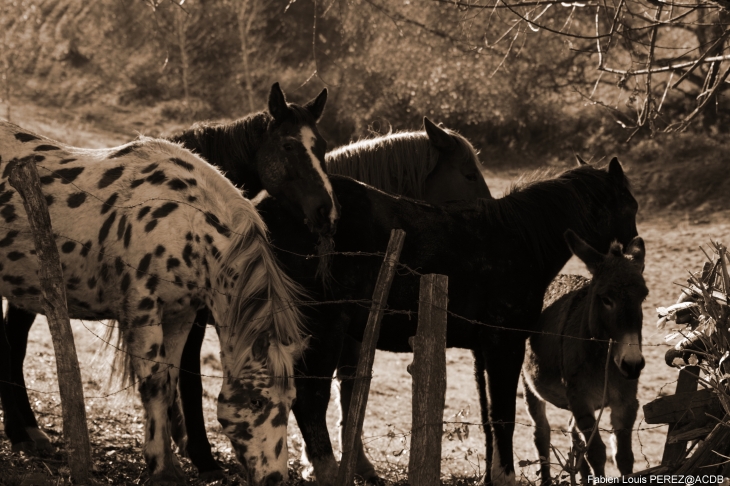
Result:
[
  {"x": 42, "y": 441},
  {"x": 373, "y": 479},
  {"x": 213, "y": 475},
  {"x": 170, "y": 476},
  {"x": 28, "y": 447}
]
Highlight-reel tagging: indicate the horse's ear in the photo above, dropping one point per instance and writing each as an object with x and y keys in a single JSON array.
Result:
[
  {"x": 636, "y": 251},
  {"x": 580, "y": 160},
  {"x": 615, "y": 169},
  {"x": 584, "y": 251},
  {"x": 438, "y": 136},
  {"x": 260, "y": 347},
  {"x": 277, "y": 103},
  {"x": 316, "y": 106}
]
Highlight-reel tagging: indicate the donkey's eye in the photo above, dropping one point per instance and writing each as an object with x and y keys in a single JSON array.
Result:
[{"x": 607, "y": 302}]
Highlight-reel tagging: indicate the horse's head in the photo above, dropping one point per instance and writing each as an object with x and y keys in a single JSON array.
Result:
[
  {"x": 616, "y": 293},
  {"x": 609, "y": 209},
  {"x": 290, "y": 161},
  {"x": 456, "y": 175},
  {"x": 253, "y": 410}
]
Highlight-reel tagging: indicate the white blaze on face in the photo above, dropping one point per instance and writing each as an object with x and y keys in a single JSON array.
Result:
[
  {"x": 308, "y": 140},
  {"x": 628, "y": 349}
]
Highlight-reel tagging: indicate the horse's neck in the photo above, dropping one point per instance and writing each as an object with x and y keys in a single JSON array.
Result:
[{"x": 236, "y": 158}]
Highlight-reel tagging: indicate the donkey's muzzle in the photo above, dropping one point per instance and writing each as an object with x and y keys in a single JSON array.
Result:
[{"x": 632, "y": 369}]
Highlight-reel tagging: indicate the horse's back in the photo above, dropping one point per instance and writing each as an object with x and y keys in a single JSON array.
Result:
[{"x": 119, "y": 215}]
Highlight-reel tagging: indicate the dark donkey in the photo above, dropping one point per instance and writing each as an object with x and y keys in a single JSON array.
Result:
[
  {"x": 500, "y": 256},
  {"x": 280, "y": 150},
  {"x": 565, "y": 364}
]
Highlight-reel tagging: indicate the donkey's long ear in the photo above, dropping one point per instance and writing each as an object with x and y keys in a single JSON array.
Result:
[
  {"x": 580, "y": 160},
  {"x": 615, "y": 169},
  {"x": 636, "y": 251},
  {"x": 260, "y": 347},
  {"x": 584, "y": 251},
  {"x": 316, "y": 106},
  {"x": 438, "y": 136},
  {"x": 277, "y": 103}
]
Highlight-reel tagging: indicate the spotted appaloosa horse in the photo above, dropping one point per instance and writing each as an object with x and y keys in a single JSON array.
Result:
[
  {"x": 148, "y": 234},
  {"x": 565, "y": 364},
  {"x": 280, "y": 151}
]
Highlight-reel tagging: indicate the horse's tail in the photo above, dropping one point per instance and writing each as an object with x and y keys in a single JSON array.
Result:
[
  {"x": 121, "y": 375},
  {"x": 264, "y": 300}
]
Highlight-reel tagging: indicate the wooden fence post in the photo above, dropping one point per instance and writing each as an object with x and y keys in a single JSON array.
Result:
[
  {"x": 24, "y": 178},
  {"x": 361, "y": 388},
  {"x": 429, "y": 382}
]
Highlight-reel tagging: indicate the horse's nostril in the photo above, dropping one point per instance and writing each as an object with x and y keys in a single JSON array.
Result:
[
  {"x": 274, "y": 479},
  {"x": 323, "y": 211}
]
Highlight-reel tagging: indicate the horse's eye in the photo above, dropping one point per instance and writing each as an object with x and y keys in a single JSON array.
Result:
[
  {"x": 607, "y": 302},
  {"x": 471, "y": 177},
  {"x": 288, "y": 147},
  {"x": 257, "y": 404}
]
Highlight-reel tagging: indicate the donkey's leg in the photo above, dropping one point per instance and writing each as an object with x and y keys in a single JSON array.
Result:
[
  {"x": 536, "y": 409},
  {"x": 623, "y": 416},
  {"x": 503, "y": 354},
  {"x": 18, "y": 324},
  {"x": 191, "y": 396},
  {"x": 585, "y": 420},
  {"x": 15, "y": 427},
  {"x": 346, "y": 369},
  {"x": 155, "y": 358},
  {"x": 585, "y": 469},
  {"x": 481, "y": 381}
]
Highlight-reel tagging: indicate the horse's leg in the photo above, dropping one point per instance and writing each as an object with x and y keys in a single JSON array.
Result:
[
  {"x": 345, "y": 373},
  {"x": 15, "y": 427},
  {"x": 503, "y": 355},
  {"x": 481, "y": 381},
  {"x": 191, "y": 396},
  {"x": 18, "y": 324},
  {"x": 536, "y": 409},
  {"x": 585, "y": 420},
  {"x": 313, "y": 393},
  {"x": 623, "y": 416},
  {"x": 155, "y": 351}
]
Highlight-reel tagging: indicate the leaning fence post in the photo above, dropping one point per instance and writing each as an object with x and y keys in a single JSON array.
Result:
[
  {"x": 356, "y": 414},
  {"x": 24, "y": 178},
  {"x": 429, "y": 382}
]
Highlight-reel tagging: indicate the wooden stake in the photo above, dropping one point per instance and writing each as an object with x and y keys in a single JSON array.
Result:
[
  {"x": 24, "y": 178},
  {"x": 361, "y": 388},
  {"x": 429, "y": 382}
]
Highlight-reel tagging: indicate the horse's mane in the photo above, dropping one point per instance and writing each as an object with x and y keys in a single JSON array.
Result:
[
  {"x": 397, "y": 163},
  {"x": 232, "y": 145},
  {"x": 263, "y": 300},
  {"x": 536, "y": 205}
]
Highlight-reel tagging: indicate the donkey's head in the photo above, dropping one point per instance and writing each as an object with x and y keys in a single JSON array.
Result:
[
  {"x": 290, "y": 161},
  {"x": 616, "y": 293}
]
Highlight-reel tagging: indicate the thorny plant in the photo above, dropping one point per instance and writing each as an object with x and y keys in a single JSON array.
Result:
[{"x": 704, "y": 314}]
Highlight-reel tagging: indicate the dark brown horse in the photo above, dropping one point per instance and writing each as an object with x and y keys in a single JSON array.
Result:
[{"x": 566, "y": 359}]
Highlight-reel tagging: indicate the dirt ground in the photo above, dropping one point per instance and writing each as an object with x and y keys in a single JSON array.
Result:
[{"x": 115, "y": 416}]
